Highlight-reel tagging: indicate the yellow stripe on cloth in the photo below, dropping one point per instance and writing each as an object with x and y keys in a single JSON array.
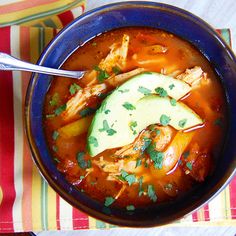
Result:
[
  {"x": 52, "y": 222},
  {"x": 36, "y": 12}
]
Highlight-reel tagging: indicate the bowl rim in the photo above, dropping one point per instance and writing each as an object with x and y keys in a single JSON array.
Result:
[{"x": 28, "y": 100}]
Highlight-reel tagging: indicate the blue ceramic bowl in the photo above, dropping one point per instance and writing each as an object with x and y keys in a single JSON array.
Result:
[{"x": 85, "y": 27}]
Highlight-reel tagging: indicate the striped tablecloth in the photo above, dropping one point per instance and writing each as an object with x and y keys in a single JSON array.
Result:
[{"x": 27, "y": 203}]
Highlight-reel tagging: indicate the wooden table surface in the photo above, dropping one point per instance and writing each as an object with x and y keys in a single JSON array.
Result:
[{"x": 219, "y": 14}]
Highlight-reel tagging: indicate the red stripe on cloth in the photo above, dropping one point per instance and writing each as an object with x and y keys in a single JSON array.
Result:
[
  {"x": 6, "y": 140},
  {"x": 58, "y": 212},
  {"x": 66, "y": 17},
  {"x": 206, "y": 213},
  {"x": 232, "y": 190},
  {"x": 194, "y": 216},
  {"x": 80, "y": 220}
]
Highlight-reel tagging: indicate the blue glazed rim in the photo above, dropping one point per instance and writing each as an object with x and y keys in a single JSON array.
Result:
[{"x": 33, "y": 113}]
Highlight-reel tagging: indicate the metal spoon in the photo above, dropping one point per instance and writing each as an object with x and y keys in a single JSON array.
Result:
[{"x": 8, "y": 62}]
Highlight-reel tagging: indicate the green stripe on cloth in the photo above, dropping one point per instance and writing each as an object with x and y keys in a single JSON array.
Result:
[
  {"x": 50, "y": 23},
  {"x": 42, "y": 15}
]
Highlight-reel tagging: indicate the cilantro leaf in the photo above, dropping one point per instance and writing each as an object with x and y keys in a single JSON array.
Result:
[
  {"x": 60, "y": 109},
  {"x": 55, "y": 148},
  {"x": 147, "y": 142},
  {"x": 173, "y": 102},
  {"x": 108, "y": 201},
  {"x": 144, "y": 90},
  {"x": 138, "y": 162},
  {"x": 182, "y": 123},
  {"x": 106, "y": 128},
  {"x": 161, "y": 92},
  {"x": 156, "y": 156},
  {"x": 81, "y": 161},
  {"x": 116, "y": 70},
  {"x": 102, "y": 74},
  {"x": 189, "y": 165},
  {"x": 151, "y": 193},
  {"x": 171, "y": 86},
  {"x": 107, "y": 111},
  {"x": 218, "y": 122},
  {"x": 164, "y": 120},
  {"x": 54, "y": 100},
  {"x": 130, "y": 178},
  {"x": 123, "y": 91},
  {"x": 186, "y": 154},
  {"x": 168, "y": 186},
  {"x": 93, "y": 141},
  {"x": 55, "y": 135},
  {"x": 132, "y": 126},
  {"x": 56, "y": 160},
  {"x": 128, "y": 106},
  {"x": 141, "y": 191},
  {"x": 87, "y": 111},
  {"x": 74, "y": 88},
  {"x": 130, "y": 208}
]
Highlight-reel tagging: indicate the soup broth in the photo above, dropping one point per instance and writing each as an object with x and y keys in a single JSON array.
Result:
[{"x": 134, "y": 175}]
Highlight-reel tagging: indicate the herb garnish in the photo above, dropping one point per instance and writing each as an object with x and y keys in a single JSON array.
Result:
[
  {"x": 48, "y": 116},
  {"x": 55, "y": 148},
  {"x": 102, "y": 74},
  {"x": 55, "y": 135},
  {"x": 164, "y": 120},
  {"x": 93, "y": 141},
  {"x": 123, "y": 91},
  {"x": 156, "y": 156},
  {"x": 81, "y": 161},
  {"x": 116, "y": 70},
  {"x": 107, "y": 111},
  {"x": 171, "y": 86},
  {"x": 147, "y": 142},
  {"x": 130, "y": 208},
  {"x": 144, "y": 90},
  {"x": 106, "y": 128},
  {"x": 87, "y": 111},
  {"x": 128, "y": 106},
  {"x": 60, "y": 109},
  {"x": 132, "y": 125},
  {"x": 218, "y": 122},
  {"x": 138, "y": 162},
  {"x": 54, "y": 100},
  {"x": 151, "y": 193},
  {"x": 130, "y": 178},
  {"x": 56, "y": 160},
  {"x": 189, "y": 165},
  {"x": 186, "y": 154},
  {"x": 108, "y": 201},
  {"x": 74, "y": 88},
  {"x": 182, "y": 123},
  {"x": 173, "y": 102},
  {"x": 141, "y": 191},
  {"x": 168, "y": 186},
  {"x": 161, "y": 92}
]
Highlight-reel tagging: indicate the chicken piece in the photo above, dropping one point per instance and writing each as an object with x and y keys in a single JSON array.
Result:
[
  {"x": 192, "y": 76},
  {"x": 79, "y": 101},
  {"x": 196, "y": 163},
  {"x": 116, "y": 80}
]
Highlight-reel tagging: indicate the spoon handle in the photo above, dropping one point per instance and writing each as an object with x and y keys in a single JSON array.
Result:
[{"x": 8, "y": 62}]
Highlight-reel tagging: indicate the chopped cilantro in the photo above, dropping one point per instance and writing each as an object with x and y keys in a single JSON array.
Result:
[
  {"x": 74, "y": 88},
  {"x": 55, "y": 135},
  {"x": 147, "y": 72},
  {"x": 55, "y": 148},
  {"x": 138, "y": 162},
  {"x": 161, "y": 92},
  {"x": 102, "y": 74},
  {"x": 87, "y": 111},
  {"x": 106, "y": 128},
  {"x": 81, "y": 177},
  {"x": 128, "y": 106},
  {"x": 56, "y": 160},
  {"x": 94, "y": 44},
  {"x": 54, "y": 100},
  {"x": 130, "y": 208},
  {"x": 108, "y": 201},
  {"x": 145, "y": 164},
  {"x": 130, "y": 178},
  {"x": 89, "y": 164},
  {"x": 123, "y": 91},
  {"x": 107, "y": 111},
  {"x": 189, "y": 165},
  {"x": 218, "y": 122},
  {"x": 93, "y": 141},
  {"x": 140, "y": 192},
  {"x": 144, "y": 90},
  {"x": 168, "y": 186},
  {"x": 173, "y": 102},
  {"x": 147, "y": 142},
  {"x": 157, "y": 131},
  {"x": 186, "y": 154},
  {"x": 171, "y": 86},
  {"x": 164, "y": 120},
  {"x": 151, "y": 193},
  {"x": 48, "y": 116},
  {"x": 182, "y": 123},
  {"x": 60, "y": 109},
  {"x": 156, "y": 156},
  {"x": 132, "y": 125},
  {"x": 81, "y": 161},
  {"x": 116, "y": 70}
]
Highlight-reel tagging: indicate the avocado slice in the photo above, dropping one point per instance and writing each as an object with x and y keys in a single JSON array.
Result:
[{"x": 123, "y": 115}]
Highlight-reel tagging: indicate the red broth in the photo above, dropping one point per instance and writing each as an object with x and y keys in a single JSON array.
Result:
[{"x": 194, "y": 164}]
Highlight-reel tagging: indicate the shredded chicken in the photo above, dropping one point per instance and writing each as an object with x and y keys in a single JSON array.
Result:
[{"x": 192, "y": 76}]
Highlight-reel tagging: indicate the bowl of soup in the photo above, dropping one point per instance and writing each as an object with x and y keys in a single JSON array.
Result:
[{"x": 146, "y": 135}]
